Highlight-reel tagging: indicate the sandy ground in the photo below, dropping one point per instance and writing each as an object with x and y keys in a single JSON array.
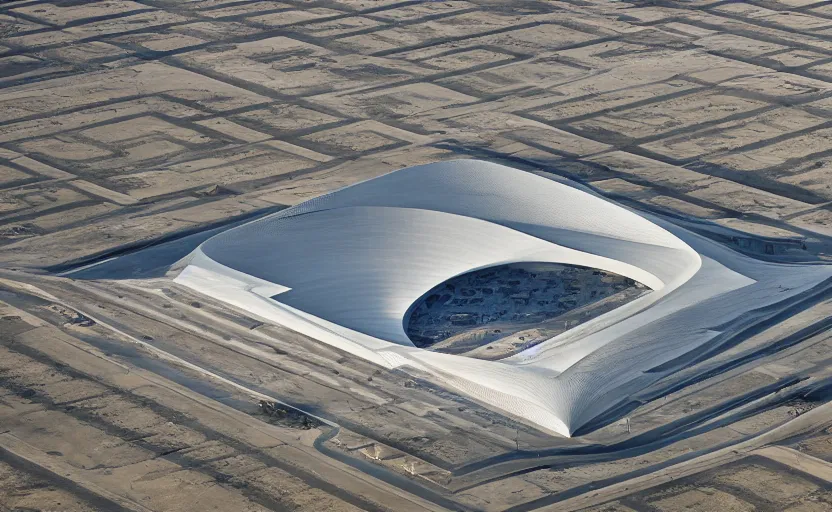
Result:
[{"x": 125, "y": 121}]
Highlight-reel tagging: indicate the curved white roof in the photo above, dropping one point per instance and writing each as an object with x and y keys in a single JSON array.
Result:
[{"x": 345, "y": 268}]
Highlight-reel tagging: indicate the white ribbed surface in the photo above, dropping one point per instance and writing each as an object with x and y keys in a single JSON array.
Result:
[{"x": 346, "y": 266}]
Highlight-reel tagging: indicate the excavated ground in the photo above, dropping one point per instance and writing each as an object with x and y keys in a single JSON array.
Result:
[{"x": 495, "y": 312}]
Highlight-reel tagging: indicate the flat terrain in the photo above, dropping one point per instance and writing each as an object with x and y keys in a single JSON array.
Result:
[{"x": 125, "y": 123}]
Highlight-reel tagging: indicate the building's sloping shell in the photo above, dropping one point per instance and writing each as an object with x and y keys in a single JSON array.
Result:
[{"x": 345, "y": 268}]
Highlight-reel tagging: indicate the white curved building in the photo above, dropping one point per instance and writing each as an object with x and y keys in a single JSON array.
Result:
[{"x": 345, "y": 268}]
